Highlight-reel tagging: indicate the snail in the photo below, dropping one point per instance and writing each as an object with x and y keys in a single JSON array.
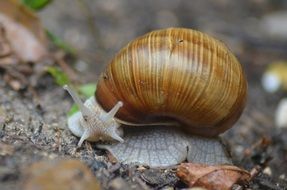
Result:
[{"x": 172, "y": 92}]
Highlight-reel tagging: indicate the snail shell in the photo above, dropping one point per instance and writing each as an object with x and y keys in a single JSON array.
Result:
[{"x": 175, "y": 74}]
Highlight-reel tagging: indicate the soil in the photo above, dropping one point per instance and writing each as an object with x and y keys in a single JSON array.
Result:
[{"x": 34, "y": 128}]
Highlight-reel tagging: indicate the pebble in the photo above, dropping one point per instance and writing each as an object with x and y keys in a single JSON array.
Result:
[
  {"x": 119, "y": 184},
  {"x": 267, "y": 171},
  {"x": 282, "y": 176},
  {"x": 60, "y": 174},
  {"x": 157, "y": 177}
]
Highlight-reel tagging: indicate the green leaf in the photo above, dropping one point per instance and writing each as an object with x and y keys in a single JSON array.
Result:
[
  {"x": 87, "y": 90},
  {"x": 36, "y": 4},
  {"x": 59, "y": 76},
  {"x": 73, "y": 110},
  {"x": 60, "y": 43}
]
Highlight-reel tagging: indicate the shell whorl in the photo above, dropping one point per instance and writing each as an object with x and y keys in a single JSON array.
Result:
[{"x": 178, "y": 74}]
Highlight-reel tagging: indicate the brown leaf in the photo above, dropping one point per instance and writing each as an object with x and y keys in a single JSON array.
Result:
[
  {"x": 111, "y": 158},
  {"x": 5, "y": 49},
  {"x": 60, "y": 174},
  {"x": 16, "y": 76},
  {"x": 7, "y": 56},
  {"x": 211, "y": 177},
  {"x": 23, "y": 30},
  {"x": 13, "y": 83}
]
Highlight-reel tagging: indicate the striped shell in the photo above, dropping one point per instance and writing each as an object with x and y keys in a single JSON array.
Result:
[{"x": 175, "y": 74}]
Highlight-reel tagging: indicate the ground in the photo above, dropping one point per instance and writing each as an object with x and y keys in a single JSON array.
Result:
[{"x": 35, "y": 126}]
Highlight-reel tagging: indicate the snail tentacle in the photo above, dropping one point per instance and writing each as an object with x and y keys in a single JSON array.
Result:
[
  {"x": 84, "y": 110},
  {"x": 111, "y": 114},
  {"x": 93, "y": 123},
  {"x": 84, "y": 136}
]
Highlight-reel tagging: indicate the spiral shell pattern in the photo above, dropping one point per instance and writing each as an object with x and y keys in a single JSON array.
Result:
[{"x": 175, "y": 74}]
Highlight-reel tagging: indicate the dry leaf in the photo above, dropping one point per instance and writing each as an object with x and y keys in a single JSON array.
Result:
[
  {"x": 211, "y": 177},
  {"x": 60, "y": 174},
  {"x": 23, "y": 30},
  {"x": 14, "y": 83},
  {"x": 7, "y": 56},
  {"x": 5, "y": 48},
  {"x": 16, "y": 75},
  {"x": 111, "y": 158}
]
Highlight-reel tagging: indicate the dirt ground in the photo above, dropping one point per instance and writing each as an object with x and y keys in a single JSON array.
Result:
[{"x": 35, "y": 129}]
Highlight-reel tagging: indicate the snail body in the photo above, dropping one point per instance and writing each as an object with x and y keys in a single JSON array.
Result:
[{"x": 167, "y": 76}]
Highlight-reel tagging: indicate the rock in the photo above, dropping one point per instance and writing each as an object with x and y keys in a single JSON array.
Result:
[
  {"x": 60, "y": 174},
  {"x": 267, "y": 171},
  {"x": 158, "y": 178}
]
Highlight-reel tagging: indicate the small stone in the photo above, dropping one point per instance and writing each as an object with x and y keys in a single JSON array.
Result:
[
  {"x": 157, "y": 177},
  {"x": 60, "y": 174},
  {"x": 282, "y": 176},
  {"x": 267, "y": 171},
  {"x": 118, "y": 184},
  {"x": 141, "y": 168}
]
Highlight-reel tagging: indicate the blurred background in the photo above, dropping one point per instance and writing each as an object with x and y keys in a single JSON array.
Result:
[{"x": 98, "y": 29}]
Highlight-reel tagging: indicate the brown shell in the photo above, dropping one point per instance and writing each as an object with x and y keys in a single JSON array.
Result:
[{"x": 179, "y": 74}]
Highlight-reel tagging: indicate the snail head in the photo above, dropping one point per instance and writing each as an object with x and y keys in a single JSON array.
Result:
[{"x": 91, "y": 122}]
